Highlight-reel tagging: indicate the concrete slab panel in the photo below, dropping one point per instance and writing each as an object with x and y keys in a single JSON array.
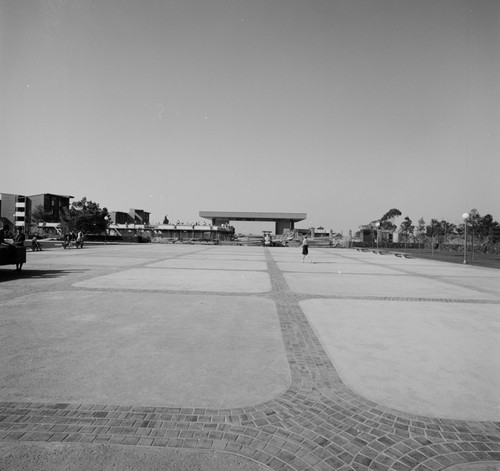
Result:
[
  {"x": 478, "y": 466},
  {"x": 342, "y": 284},
  {"x": 228, "y": 281},
  {"x": 141, "y": 348},
  {"x": 335, "y": 267},
  {"x": 490, "y": 285},
  {"x": 448, "y": 269},
  {"x": 211, "y": 264},
  {"x": 430, "y": 359},
  {"x": 89, "y": 260},
  {"x": 225, "y": 256},
  {"x": 85, "y": 457},
  {"x": 318, "y": 258}
]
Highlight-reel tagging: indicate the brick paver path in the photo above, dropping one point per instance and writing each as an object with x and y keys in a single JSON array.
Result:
[{"x": 317, "y": 424}]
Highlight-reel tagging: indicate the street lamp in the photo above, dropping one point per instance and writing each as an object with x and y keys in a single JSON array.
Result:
[
  {"x": 106, "y": 220},
  {"x": 377, "y": 225},
  {"x": 465, "y": 216}
]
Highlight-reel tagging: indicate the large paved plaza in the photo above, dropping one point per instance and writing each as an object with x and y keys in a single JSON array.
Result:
[{"x": 189, "y": 357}]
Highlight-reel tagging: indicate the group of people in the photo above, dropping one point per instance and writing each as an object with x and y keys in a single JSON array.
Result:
[
  {"x": 17, "y": 239},
  {"x": 70, "y": 238},
  {"x": 9, "y": 242}
]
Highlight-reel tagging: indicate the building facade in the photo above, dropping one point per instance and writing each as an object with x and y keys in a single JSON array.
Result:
[
  {"x": 16, "y": 210},
  {"x": 51, "y": 204},
  {"x": 134, "y": 216}
]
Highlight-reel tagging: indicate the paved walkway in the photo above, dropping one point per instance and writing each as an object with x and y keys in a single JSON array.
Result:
[{"x": 198, "y": 357}]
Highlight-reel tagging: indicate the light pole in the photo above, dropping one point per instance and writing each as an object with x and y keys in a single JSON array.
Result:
[
  {"x": 106, "y": 221},
  {"x": 465, "y": 216},
  {"x": 377, "y": 225}
]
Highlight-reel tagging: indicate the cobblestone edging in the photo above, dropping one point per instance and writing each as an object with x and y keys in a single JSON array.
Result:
[{"x": 317, "y": 424}]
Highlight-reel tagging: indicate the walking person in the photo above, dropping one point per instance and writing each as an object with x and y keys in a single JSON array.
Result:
[
  {"x": 305, "y": 250},
  {"x": 67, "y": 241},
  {"x": 79, "y": 240}
]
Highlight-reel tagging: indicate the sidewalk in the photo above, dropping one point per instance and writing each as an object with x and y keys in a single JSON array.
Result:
[{"x": 208, "y": 357}]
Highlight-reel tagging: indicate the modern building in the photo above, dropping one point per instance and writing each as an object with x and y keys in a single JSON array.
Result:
[
  {"x": 134, "y": 216},
  {"x": 51, "y": 204},
  {"x": 16, "y": 210},
  {"x": 195, "y": 232},
  {"x": 314, "y": 233},
  {"x": 283, "y": 221},
  {"x": 121, "y": 217},
  {"x": 371, "y": 233}
]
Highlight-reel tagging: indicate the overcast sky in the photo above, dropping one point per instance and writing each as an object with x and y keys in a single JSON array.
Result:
[{"x": 342, "y": 109}]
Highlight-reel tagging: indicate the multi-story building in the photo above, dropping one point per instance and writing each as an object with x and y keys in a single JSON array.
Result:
[
  {"x": 51, "y": 204},
  {"x": 16, "y": 210},
  {"x": 120, "y": 217},
  {"x": 140, "y": 216},
  {"x": 134, "y": 216}
]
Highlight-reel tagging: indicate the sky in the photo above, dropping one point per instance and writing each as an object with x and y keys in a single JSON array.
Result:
[{"x": 340, "y": 109}]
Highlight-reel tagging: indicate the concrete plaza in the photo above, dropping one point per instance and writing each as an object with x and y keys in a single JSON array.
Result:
[{"x": 244, "y": 358}]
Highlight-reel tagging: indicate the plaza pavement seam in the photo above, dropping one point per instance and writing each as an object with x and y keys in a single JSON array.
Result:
[{"x": 317, "y": 424}]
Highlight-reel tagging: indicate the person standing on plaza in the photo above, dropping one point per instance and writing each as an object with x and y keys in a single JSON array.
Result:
[
  {"x": 3, "y": 233},
  {"x": 19, "y": 238},
  {"x": 305, "y": 250}
]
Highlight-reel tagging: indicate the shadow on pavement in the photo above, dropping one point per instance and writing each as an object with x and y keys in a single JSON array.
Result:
[{"x": 9, "y": 274}]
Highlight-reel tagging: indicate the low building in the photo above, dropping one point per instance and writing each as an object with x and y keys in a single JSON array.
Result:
[
  {"x": 283, "y": 221},
  {"x": 195, "y": 232},
  {"x": 173, "y": 232},
  {"x": 314, "y": 233},
  {"x": 371, "y": 234}
]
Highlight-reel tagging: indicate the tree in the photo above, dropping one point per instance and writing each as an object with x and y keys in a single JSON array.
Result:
[
  {"x": 439, "y": 230},
  {"x": 473, "y": 222},
  {"x": 85, "y": 216},
  {"x": 433, "y": 230},
  {"x": 494, "y": 234},
  {"x": 407, "y": 228},
  {"x": 446, "y": 228},
  {"x": 386, "y": 221},
  {"x": 485, "y": 225},
  {"x": 474, "y": 219},
  {"x": 421, "y": 230}
]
